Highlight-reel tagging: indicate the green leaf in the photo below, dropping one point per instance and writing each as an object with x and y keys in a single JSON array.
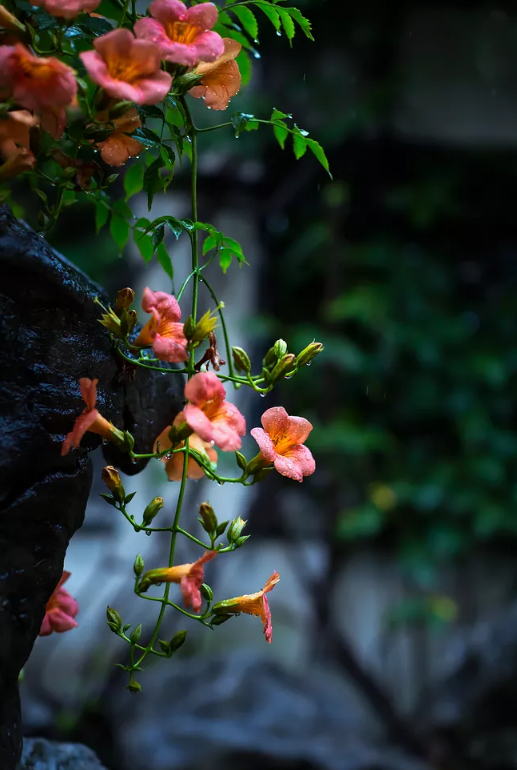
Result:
[
  {"x": 225, "y": 259},
  {"x": 158, "y": 236},
  {"x": 96, "y": 26},
  {"x": 150, "y": 111},
  {"x": 146, "y": 137},
  {"x": 287, "y": 23},
  {"x": 244, "y": 64},
  {"x": 153, "y": 181},
  {"x": 210, "y": 243},
  {"x": 144, "y": 243},
  {"x": 304, "y": 23},
  {"x": 241, "y": 120},
  {"x": 168, "y": 156},
  {"x": 165, "y": 260},
  {"x": 271, "y": 13},
  {"x": 234, "y": 247},
  {"x": 281, "y": 133},
  {"x": 134, "y": 180},
  {"x": 102, "y": 213},
  {"x": 119, "y": 229},
  {"x": 247, "y": 19},
  {"x": 319, "y": 154},
  {"x": 299, "y": 144}
]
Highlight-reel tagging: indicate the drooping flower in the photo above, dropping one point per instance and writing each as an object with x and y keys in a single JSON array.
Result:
[
  {"x": 34, "y": 82},
  {"x": 189, "y": 576},
  {"x": 15, "y": 143},
  {"x": 210, "y": 416},
  {"x": 67, "y": 9},
  {"x": 221, "y": 78},
  {"x": 119, "y": 147},
  {"x": 61, "y": 610},
  {"x": 252, "y": 604},
  {"x": 281, "y": 442},
  {"x": 174, "y": 463},
  {"x": 163, "y": 331},
  {"x": 182, "y": 33},
  {"x": 127, "y": 68},
  {"x": 84, "y": 170},
  {"x": 90, "y": 420}
]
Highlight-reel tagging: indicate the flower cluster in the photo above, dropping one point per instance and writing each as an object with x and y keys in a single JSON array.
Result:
[{"x": 135, "y": 66}]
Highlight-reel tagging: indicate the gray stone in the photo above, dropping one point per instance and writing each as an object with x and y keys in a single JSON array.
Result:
[{"x": 39, "y": 754}]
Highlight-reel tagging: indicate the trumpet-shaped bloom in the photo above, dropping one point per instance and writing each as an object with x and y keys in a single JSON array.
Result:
[
  {"x": 281, "y": 440},
  {"x": 119, "y": 147},
  {"x": 61, "y": 610},
  {"x": 189, "y": 576},
  {"x": 221, "y": 78},
  {"x": 182, "y": 33},
  {"x": 90, "y": 420},
  {"x": 15, "y": 143},
  {"x": 67, "y": 9},
  {"x": 174, "y": 463},
  {"x": 252, "y": 604},
  {"x": 210, "y": 416},
  {"x": 163, "y": 331},
  {"x": 34, "y": 82},
  {"x": 127, "y": 68}
]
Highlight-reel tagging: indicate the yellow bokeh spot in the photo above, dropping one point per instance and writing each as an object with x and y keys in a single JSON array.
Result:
[{"x": 383, "y": 497}]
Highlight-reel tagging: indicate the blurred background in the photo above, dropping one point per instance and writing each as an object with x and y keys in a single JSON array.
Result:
[{"x": 395, "y": 621}]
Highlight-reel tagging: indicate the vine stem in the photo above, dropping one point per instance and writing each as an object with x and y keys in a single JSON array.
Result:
[{"x": 165, "y": 602}]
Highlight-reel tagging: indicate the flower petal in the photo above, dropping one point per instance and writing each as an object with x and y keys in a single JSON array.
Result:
[
  {"x": 208, "y": 46},
  {"x": 168, "y": 10},
  {"x": 297, "y": 463},
  {"x": 265, "y": 443},
  {"x": 198, "y": 421},
  {"x": 225, "y": 436},
  {"x": 298, "y": 430},
  {"x": 275, "y": 422},
  {"x": 204, "y": 387},
  {"x": 89, "y": 391},
  {"x": 173, "y": 350},
  {"x": 203, "y": 15},
  {"x": 60, "y": 621}
]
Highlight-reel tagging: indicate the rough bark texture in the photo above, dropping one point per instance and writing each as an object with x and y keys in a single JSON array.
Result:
[{"x": 50, "y": 338}]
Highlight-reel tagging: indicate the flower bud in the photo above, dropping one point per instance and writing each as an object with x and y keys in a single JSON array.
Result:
[
  {"x": 206, "y": 592},
  {"x": 235, "y": 529},
  {"x": 185, "y": 82},
  {"x": 134, "y": 687},
  {"x": 138, "y": 566},
  {"x": 188, "y": 327},
  {"x": 153, "y": 509},
  {"x": 280, "y": 348},
  {"x": 270, "y": 358},
  {"x": 311, "y": 351},
  {"x": 208, "y": 519},
  {"x": 177, "y": 641},
  {"x": 241, "y": 540},
  {"x": 111, "y": 322},
  {"x": 125, "y": 298},
  {"x": 285, "y": 366},
  {"x": 114, "y": 620},
  {"x": 111, "y": 478},
  {"x": 241, "y": 360},
  {"x": 135, "y": 634}
]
